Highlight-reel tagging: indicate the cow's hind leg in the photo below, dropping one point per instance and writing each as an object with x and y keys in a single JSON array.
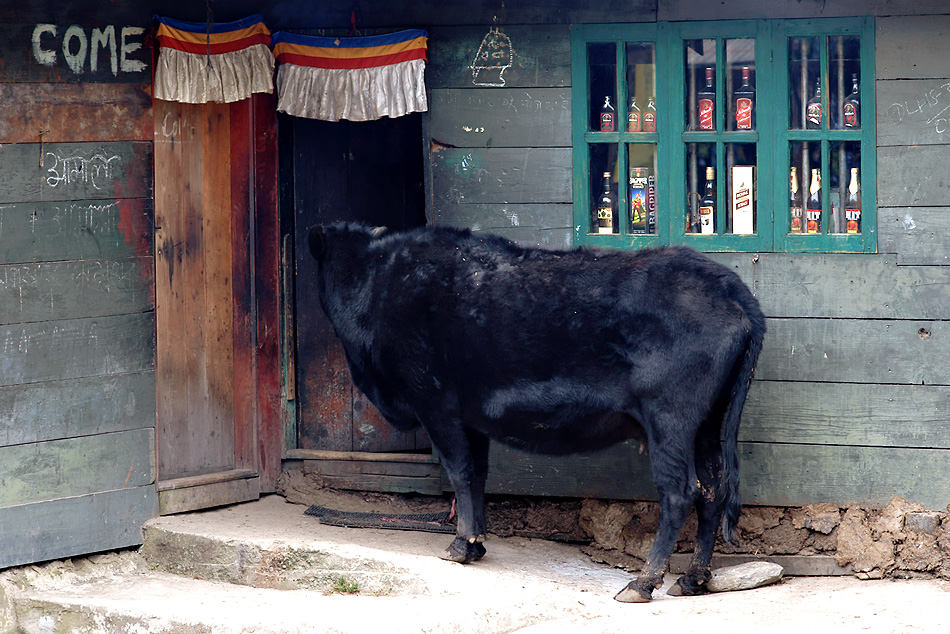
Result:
[
  {"x": 464, "y": 456},
  {"x": 671, "y": 462},
  {"x": 708, "y": 512}
]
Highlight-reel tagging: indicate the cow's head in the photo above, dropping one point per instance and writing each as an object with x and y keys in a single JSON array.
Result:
[{"x": 319, "y": 235}]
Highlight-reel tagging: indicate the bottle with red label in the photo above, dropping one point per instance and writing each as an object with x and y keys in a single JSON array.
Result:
[
  {"x": 795, "y": 202},
  {"x": 850, "y": 108},
  {"x": 852, "y": 210},
  {"x": 633, "y": 115},
  {"x": 649, "y": 117},
  {"x": 745, "y": 103},
  {"x": 707, "y": 102},
  {"x": 813, "y": 212},
  {"x": 608, "y": 116}
]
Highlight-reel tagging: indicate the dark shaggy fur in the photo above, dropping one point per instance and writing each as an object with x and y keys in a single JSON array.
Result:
[{"x": 474, "y": 337}]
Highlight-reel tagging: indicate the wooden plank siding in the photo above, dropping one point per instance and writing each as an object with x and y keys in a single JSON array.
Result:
[
  {"x": 852, "y": 391},
  {"x": 499, "y": 133},
  {"x": 77, "y": 345}
]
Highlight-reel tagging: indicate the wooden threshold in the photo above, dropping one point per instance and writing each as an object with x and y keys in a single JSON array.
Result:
[
  {"x": 179, "y": 495},
  {"x": 380, "y": 472},
  {"x": 364, "y": 456}
]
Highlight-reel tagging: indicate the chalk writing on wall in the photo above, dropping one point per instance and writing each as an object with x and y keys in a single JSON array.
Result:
[
  {"x": 495, "y": 55},
  {"x": 82, "y": 50},
  {"x": 931, "y": 107},
  {"x": 68, "y": 170}
]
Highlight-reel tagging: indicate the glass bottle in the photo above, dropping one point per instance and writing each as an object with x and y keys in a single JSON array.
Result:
[
  {"x": 795, "y": 202},
  {"x": 850, "y": 108},
  {"x": 813, "y": 213},
  {"x": 852, "y": 210},
  {"x": 745, "y": 103},
  {"x": 608, "y": 116},
  {"x": 649, "y": 117},
  {"x": 633, "y": 115},
  {"x": 707, "y": 102},
  {"x": 813, "y": 110},
  {"x": 707, "y": 205},
  {"x": 606, "y": 205}
]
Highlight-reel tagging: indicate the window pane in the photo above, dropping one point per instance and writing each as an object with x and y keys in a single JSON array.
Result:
[
  {"x": 845, "y": 187},
  {"x": 804, "y": 62},
  {"x": 641, "y": 157},
  {"x": 741, "y": 206},
  {"x": 603, "y": 188},
  {"x": 701, "y": 111},
  {"x": 701, "y": 175},
  {"x": 805, "y": 174},
  {"x": 844, "y": 75},
  {"x": 602, "y": 76},
  {"x": 740, "y": 84},
  {"x": 641, "y": 88}
]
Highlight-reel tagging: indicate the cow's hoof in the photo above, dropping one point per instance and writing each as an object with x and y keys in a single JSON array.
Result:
[
  {"x": 634, "y": 594},
  {"x": 463, "y": 552},
  {"x": 689, "y": 585}
]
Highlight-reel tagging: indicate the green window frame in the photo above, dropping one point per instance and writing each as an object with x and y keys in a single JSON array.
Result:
[{"x": 776, "y": 142}]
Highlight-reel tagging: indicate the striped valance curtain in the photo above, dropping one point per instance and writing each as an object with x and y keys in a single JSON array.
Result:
[
  {"x": 221, "y": 61},
  {"x": 353, "y": 78}
]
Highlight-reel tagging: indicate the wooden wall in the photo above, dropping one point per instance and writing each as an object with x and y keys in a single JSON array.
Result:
[
  {"x": 77, "y": 386},
  {"x": 852, "y": 396}
]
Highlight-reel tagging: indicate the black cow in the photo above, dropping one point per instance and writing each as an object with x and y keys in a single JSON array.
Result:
[{"x": 474, "y": 337}]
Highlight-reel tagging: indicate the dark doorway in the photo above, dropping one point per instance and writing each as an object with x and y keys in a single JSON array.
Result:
[{"x": 369, "y": 172}]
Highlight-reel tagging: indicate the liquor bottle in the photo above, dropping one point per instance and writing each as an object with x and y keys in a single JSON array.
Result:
[
  {"x": 707, "y": 205},
  {"x": 813, "y": 110},
  {"x": 745, "y": 103},
  {"x": 852, "y": 211},
  {"x": 649, "y": 117},
  {"x": 633, "y": 115},
  {"x": 813, "y": 212},
  {"x": 850, "y": 110},
  {"x": 608, "y": 116},
  {"x": 707, "y": 102},
  {"x": 795, "y": 202},
  {"x": 639, "y": 199},
  {"x": 606, "y": 204}
]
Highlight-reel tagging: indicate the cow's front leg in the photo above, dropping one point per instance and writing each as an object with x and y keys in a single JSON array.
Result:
[{"x": 464, "y": 456}]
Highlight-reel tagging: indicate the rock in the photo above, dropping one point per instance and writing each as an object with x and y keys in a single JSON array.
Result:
[
  {"x": 922, "y": 522},
  {"x": 744, "y": 576}
]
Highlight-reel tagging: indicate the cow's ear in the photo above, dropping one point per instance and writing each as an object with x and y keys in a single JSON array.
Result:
[
  {"x": 378, "y": 232},
  {"x": 317, "y": 240}
]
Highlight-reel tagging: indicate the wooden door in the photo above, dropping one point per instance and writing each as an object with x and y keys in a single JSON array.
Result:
[
  {"x": 209, "y": 405},
  {"x": 369, "y": 172}
]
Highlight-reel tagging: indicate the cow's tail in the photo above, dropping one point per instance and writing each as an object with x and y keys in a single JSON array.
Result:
[{"x": 731, "y": 501}]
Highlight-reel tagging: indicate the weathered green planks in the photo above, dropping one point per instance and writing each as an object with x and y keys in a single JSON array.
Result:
[
  {"x": 501, "y": 175},
  {"x": 842, "y": 285},
  {"x": 913, "y": 47},
  {"x": 856, "y": 351},
  {"x": 67, "y": 290},
  {"x": 75, "y": 230},
  {"x": 76, "y": 466},
  {"x": 483, "y": 217},
  {"x": 491, "y": 117},
  {"x": 771, "y": 474},
  {"x": 80, "y": 407},
  {"x": 56, "y": 350},
  {"x": 796, "y": 475},
  {"x": 847, "y": 414},
  {"x": 918, "y": 235},
  {"x": 75, "y": 171},
  {"x": 912, "y": 176},
  {"x": 49, "y": 112},
  {"x": 913, "y": 112},
  {"x": 509, "y": 56},
  {"x": 72, "y": 526}
]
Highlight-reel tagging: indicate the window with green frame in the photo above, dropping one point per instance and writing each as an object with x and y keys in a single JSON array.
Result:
[{"x": 726, "y": 136}]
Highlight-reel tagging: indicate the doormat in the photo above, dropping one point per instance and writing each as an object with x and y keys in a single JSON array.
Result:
[{"x": 428, "y": 522}]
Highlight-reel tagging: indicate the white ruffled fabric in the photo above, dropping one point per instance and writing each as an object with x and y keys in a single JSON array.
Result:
[
  {"x": 361, "y": 94},
  {"x": 188, "y": 78}
]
